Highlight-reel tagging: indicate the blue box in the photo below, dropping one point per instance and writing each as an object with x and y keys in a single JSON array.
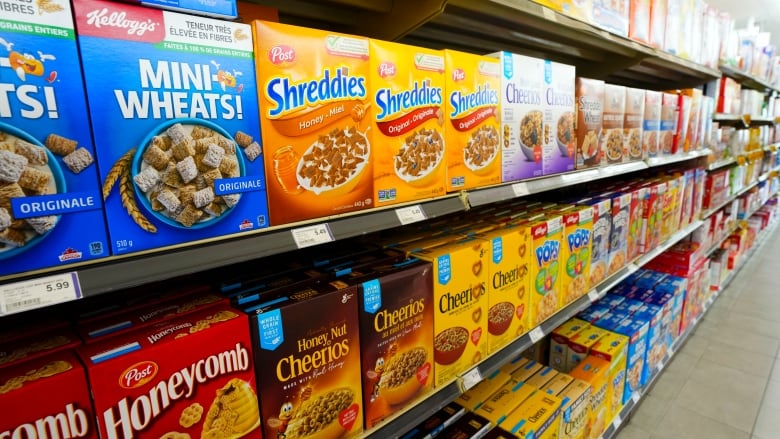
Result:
[
  {"x": 667, "y": 303},
  {"x": 612, "y": 300},
  {"x": 212, "y": 8},
  {"x": 629, "y": 306},
  {"x": 50, "y": 202},
  {"x": 656, "y": 347},
  {"x": 611, "y": 320},
  {"x": 593, "y": 313},
  {"x": 636, "y": 331},
  {"x": 183, "y": 88},
  {"x": 649, "y": 280}
]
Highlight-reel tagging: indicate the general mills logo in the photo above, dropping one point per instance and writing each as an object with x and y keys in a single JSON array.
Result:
[{"x": 103, "y": 17}]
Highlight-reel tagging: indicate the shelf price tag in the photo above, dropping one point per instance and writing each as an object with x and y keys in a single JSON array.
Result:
[
  {"x": 39, "y": 292},
  {"x": 593, "y": 295},
  {"x": 635, "y": 398},
  {"x": 536, "y": 334},
  {"x": 618, "y": 421},
  {"x": 549, "y": 14},
  {"x": 471, "y": 378},
  {"x": 410, "y": 214},
  {"x": 312, "y": 235},
  {"x": 520, "y": 189}
]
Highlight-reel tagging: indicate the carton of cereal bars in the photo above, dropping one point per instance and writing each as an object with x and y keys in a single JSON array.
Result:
[
  {"x": 186, "y": 377},
  {"x": 175, "y": 119},
  {"x": 50, "y": 205}
]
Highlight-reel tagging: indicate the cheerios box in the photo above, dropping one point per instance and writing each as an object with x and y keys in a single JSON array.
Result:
[
  {"x": 560, "y": 140},
  {"x": 575, "y": 412},
  {"x": 191, "y": 376},
  {"x": 174, "y": 115},
  {"x": 47, "y": 397},
  {"x": 460, "y": 277},
  {"x": 472, "y": 135},
  {"x": 314, "y": 95},
  {"x": 577, "y": 248},
  {"x": 408, "y": 111},
  {"x": 50, "y": 203}
]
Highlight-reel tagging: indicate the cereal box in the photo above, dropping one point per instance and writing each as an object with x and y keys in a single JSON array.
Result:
[
  {"x": 507, "y": 398},
  {"x": 175, "y": 124},
  {"x": 655, "y": 350},
  {"x": 590, "y": 109},
  {"x": 46, "y": 398},
  {"x": 498, "y": 433},
  {"x": 651, "y": 125},
  {"x": 674, "y": 20},
  {"x": 632, "y": 123},
  {"x": 20, "y": 349},
  {"x": 575, "y": 411},
  {"x": 472, "y": 136},
  {"x": 636, "y": 218},
  {"x": 307, "y": 351},
  {"x": 557, "y": 384},
  {"x": 637, "y": 372},
  {"x": 522, "y": 116},
  {"x": 613, "y": 348},
  {"x": 49, "y": 188},
  {"x": 657, "y": 23},
  {"x": 559, "y": 342},
  {"x": 407, "y": 107},
  {"x": 560, "y": 138},
  {"x": 618, "y": 236},
  {"x": 653, "y": 216},
  {"x": 611, "y": 140},
  {"x": 396, "y": 337},
  {"x": 580, "y": 345},
  {"x": 437, "y": 422},
  {"x": 537, "y": 417},
  {"x": 470, "y": 425},
  {"x": 546, "y": 235},
  {"x": 639, "y": 20},
  {"x": 319, "y": 153},
  {"x": 459, "y": 322},
  {"x": 540, "y": 379},
  {"x": 612, "y": 15},
  {"x": 473, "y": 398},
  {"x": 576, "y": 252},
  {"x": 668, "y": 123},
  {"x": 602, "y": 227},
  {"x": 189, "y": 376},
  {"x": 595, "y": 372}
]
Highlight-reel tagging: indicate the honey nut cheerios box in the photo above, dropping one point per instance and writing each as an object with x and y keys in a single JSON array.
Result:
[
  {"x": 576, "y": 250},
  {"x": 314, "y": 97},
  {"x": 460, "y": 277},
  {"x": 50, "y": 203},
  {"x": 191, "y": 376},
  {"x": 545, "y": 266},
  {"x": 46, "y": 398},
  {"x": 307, "y": 352},
  {"x": 174, "y": 115},
  {"x": 408, "y": 112},
  {"x": 472, "y": 133}
]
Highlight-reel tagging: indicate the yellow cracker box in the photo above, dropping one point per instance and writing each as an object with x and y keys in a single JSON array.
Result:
[
  {"x": 506, "y": 399},
  {"x": 596, "y": 372},
  {"x": 546, "y": 235},
  {"x": 460, "y": 314},
  {"x": 576, "y": 410},
  {"x": 508, "y": 285},
  {"x": 559, "y": 342},
  {"x": 557, "y": 384},
  {"x": 575, "y": 254},
  {"x": 407, "y": 92},
  {"x": 542, "y": 377},
  {"x": 313, "y": 92},
  {"x": 613, "y": 348},
  {"x": 537, "y": 417},
  {"x": 473, "y": 398},
  {"x": 472, "y": 138}
]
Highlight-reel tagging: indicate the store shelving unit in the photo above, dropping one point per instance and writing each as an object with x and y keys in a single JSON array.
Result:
[
  {"x": 723, "y": 204},
  {"x": 746, "y": 79}
]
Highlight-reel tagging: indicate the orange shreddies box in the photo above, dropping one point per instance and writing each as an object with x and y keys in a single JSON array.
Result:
[
  {"x": 313, "y": 95},
  {"x": 460, "y": 317},
  {"x": 473, "y": 144},
  {"x": 46, "y": 398},
  {"x": 407, "y": 108},
  {"x": 576, "y": 251},
  {"x": 191, "y": 376},
  {"x": 546, "y": 236}
]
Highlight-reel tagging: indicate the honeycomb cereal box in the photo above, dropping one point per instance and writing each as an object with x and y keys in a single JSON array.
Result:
[
  {"x": 560, "y": 140},
  {"x": 319, "y": 155},
  {"x": 575, "y": 410},
  {"x": 49, "y": 188},
  {"x": 472, "y": 136},
  {"x": 191, "y": 376},
  {"x": 594, "y": 371},
  {"x": 576, "y": 252},
  {"x": 460, "y": 277},
  {"x": 546, "y": 237},
  {"x": 590, "y": 110},
  {"x": 407, "y": 108},
  {"x": 613, "y": 348},
  {"x": 396, "y": 337},
  {"x": 174, "y": 115}
]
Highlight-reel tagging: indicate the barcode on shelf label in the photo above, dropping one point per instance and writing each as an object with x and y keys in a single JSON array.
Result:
[
  {"x": 410, "y": 214},
  {"x": 312, "y": 235},
  {"x": 471, "y": 378},
  {"x": 536, "y": 334},
  {"x": 593, "y": 295},
  {"x": 42, "y": 291},
  {"x": 520, "y": 189}
]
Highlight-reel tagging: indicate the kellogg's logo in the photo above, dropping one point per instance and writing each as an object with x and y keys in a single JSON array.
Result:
[
  {"x": 95, "y": 19},
  {"x": 138, "y": 374},
  {"x": 281, "y": 54},
  {"x": 387, "y": 70},
  {"x": 458, "y": 75}
]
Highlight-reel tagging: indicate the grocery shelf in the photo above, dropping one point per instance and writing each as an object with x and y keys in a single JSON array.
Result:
[
  {"x": 676, "y": 237},
  {"x": 739, "y": 193},
  {"x": 746, "y": 120},
  {"x": 680, "y": 157},
  {"x": 719, "y": 242},
  {"x": 760, "y": 241},
  {"x": 721, "y": 163},
  {"x": 747, "y": 80}
]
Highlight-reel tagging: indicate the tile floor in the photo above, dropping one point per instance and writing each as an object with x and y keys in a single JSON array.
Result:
[{"x": 725, "y": 381}]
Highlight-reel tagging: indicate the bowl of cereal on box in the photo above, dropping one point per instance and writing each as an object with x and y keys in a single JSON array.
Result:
[
  {"x": 419, "y": 157},
  {"x": 614, "y": 147},
  {"x": 401, "y": 379},
  {"x": 334, "y": 162},
  {"x": 28, "y": 169},
  {"x": 500, "y": 317},
  {"x": 532, "y": 135},
  {"x": 564, "y": 134},
  {"x": 323, "y": 416},
  {"x": 482, "y": 149},
  {"x": 177, "y": 166},
  {"x": 449, "y": 344}
]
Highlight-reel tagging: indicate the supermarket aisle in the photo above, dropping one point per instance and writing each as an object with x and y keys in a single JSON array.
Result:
[{"x": 725, "y": 381}]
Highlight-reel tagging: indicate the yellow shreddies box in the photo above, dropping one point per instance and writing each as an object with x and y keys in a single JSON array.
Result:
[
  {"x": 595, "y": 371},
  {"x": 576, "y": 251},
  {"x": 506, "y": 399},
  {"x": 559, "y": 342},
  {"x": 575, "y": 410},
  {"x": 313, "y": 92},
  {"x": 537, "y": 417},
  {"x": 473, "y": 398},
  {"x": 407, "y": 108},
  {"x": 460, "y": 314},
  {"x": 508, "y": 285},
  {"x": 546, "y": 235},
  {"x": 613, "y": 348},
  {"x": 473, "y": 142}
]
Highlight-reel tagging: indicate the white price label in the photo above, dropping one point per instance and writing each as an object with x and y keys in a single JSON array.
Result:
[
  {"x": 312, "y": 235},
  {"x": 549, "y": 14},
  {"x": 536, "y": 334},
  {"x": 410, "y": 214},
  {"x": 593, "y": 295},
  {"x": 618, "y": 421},
  {"x": 39, "y": 292},
  {"x": 635, "y": 398},
  {"x": 520, "y": 189},
  {"x": 471, "y": 378}
]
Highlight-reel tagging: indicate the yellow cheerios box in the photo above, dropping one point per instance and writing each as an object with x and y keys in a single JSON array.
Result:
[
  {"x": 473, "y": 398},
  {"x": 594, "y": 371},
  {"x": 576, "y": 251},
  {"x": 546, "y": 236},
  {"x": 460, "y": 317},
  {"x": 473, "y": 141},
  {"x": 407, "y": 108},
  {"x": 576, "y": 409},
  {"x": 506, "y": 399},
  {"x": 613, "y": 348},
  {"x": 508, "y": 285},
  {"x": 537, "y": 417}
]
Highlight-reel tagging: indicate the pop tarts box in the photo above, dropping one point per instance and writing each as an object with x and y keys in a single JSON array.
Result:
[
  {"x": 174, "y": 112},
  {"x": 49, "y": 188},
  {"x": 560, "y": 147},
  {"x": 636, "y": 331}
]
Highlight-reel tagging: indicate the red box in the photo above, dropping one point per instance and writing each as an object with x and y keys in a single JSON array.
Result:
[
  {"x": 46, "y": 398},
  {"x": 639, "y": 21},
  {"x": 657, "y": 23},
  {"x": 25, "y": 349},
  {"x": 190, "y": 375}
]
